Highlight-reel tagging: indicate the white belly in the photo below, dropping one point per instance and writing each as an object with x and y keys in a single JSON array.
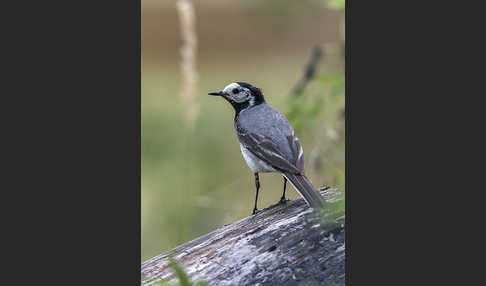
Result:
[{"x": 255, "y": 164}]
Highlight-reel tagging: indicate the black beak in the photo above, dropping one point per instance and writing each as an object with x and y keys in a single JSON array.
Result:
[{"x": 217, "y": 93}]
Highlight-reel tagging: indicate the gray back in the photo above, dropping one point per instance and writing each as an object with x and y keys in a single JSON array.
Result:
[{"x": 263, "y": 119}]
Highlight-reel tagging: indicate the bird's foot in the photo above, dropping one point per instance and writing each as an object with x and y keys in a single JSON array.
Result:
[
  {"x": 283, "y": 200},
  {"x": 255, "y": 211}
]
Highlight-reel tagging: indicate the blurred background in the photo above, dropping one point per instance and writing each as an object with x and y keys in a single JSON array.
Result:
[{"x": 194, "y": 178}]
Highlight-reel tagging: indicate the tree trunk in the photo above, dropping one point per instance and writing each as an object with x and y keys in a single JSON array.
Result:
[{"x": 284, "y": 244}]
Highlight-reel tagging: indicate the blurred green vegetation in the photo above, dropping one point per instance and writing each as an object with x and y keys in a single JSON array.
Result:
[
  {"x": 194, "y": 180},
  {"x": 181, "y": 275},
  {"x": 336, "y": 4}
]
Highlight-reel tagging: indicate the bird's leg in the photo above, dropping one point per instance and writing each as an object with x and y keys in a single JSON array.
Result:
[
  {"x": 282, "y": 199},
  {"x": 257, "y": 184}
]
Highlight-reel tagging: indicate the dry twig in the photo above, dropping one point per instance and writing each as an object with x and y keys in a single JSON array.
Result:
[
  {"x": 187, "y": 17},
  {"x": 309, "y": 71}
]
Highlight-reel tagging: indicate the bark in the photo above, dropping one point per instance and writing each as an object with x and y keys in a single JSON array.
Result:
[{"x": 284, "y": 244}]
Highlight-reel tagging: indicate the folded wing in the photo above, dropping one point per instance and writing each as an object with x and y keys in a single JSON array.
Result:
[{"x": 267, "y": 150}]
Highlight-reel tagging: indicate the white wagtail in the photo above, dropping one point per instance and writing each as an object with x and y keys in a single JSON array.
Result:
[{"x": 267, "y": 141}]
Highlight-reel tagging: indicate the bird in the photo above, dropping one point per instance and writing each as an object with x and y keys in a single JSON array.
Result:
[{"x": 267, "y": 141}]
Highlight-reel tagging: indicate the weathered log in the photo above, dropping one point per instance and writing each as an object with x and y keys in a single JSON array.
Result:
[{"x": 284, "y": 244}]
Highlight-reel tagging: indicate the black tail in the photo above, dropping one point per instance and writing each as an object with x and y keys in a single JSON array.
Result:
[{"x": 306, "y": 190}]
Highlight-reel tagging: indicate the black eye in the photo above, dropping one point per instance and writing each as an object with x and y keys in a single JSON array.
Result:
[{"x": 236, "y": 91}]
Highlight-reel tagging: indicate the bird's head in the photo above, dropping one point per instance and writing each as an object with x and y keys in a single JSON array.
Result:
[{"x": 241, "y": 95}]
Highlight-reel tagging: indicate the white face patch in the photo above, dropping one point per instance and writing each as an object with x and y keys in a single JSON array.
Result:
[{"x": 237, "y": 93}]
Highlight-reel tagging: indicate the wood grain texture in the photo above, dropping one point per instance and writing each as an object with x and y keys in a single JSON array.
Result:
[{"x": 283, "y": 244}]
